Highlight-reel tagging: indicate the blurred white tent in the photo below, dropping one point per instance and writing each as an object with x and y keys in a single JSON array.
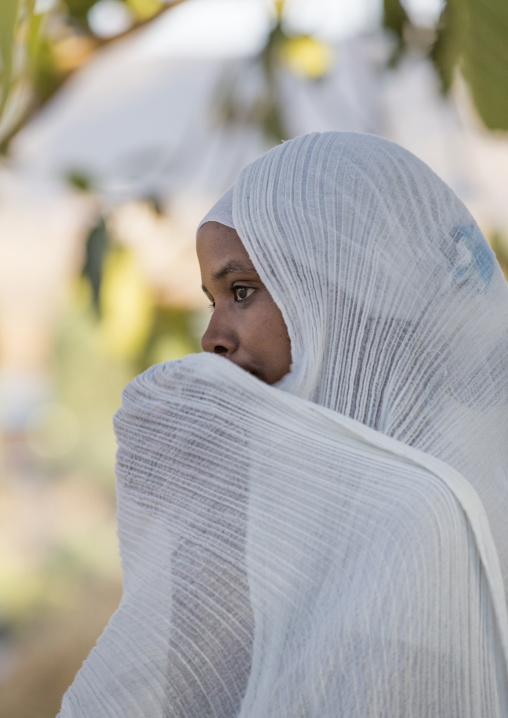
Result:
[{"x": 146, "y": 117}]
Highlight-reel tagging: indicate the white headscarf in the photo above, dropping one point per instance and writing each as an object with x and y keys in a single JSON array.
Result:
[{"x": 334, "y": 545}]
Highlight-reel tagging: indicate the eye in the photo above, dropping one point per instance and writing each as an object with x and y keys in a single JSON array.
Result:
[{"x": 242, "y": 293}]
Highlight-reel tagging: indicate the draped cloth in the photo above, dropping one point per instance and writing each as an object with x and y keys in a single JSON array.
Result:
[{"x": 335, "y": 544}]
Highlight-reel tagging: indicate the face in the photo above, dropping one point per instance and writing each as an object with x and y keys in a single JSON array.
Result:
[{"x": 246, "y": 326}]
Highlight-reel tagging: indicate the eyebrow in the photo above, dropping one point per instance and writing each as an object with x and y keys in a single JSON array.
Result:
[
  {"x": 230, "y": 268},
  {"x": 234, "y": 266}
]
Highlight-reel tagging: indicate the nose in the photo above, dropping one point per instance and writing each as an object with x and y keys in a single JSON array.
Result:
[{"x": 219, "y": 337}]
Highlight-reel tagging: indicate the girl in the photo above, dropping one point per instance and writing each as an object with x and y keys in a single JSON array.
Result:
[{"x": 312, "y": 513}]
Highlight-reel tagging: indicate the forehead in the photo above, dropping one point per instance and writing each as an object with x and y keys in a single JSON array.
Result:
[{"x": 217, "y": 245}]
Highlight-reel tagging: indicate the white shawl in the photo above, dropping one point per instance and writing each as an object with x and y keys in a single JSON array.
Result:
[{"x": 334, "y": 545}]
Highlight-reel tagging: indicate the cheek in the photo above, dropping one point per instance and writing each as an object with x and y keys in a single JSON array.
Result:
[{"x": 269, "y": 332}]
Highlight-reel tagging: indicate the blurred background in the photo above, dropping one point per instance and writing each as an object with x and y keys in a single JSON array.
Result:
[{"x": 121, "y": 121}]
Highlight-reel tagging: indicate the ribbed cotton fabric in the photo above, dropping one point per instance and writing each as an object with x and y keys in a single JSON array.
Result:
[
  {"x": 222, "y": 211},
  {"x": 336, "y": 544}
]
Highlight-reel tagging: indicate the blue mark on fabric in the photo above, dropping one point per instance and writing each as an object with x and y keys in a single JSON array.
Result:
[{"x": 474, "y": 260}]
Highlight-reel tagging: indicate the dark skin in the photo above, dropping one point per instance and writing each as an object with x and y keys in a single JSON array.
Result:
[{"x": 246, "y": 326}]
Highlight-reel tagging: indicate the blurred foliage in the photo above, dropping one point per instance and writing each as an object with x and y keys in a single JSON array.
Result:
[
  {"x": 304, "y": 55},
  {"x": 20, "y": 36},
  {"x": 127, "y": 307},
  {"x": 500, "y": 246},
  {"x": 133, "y": 328},
  {"x": 96, "y": 246},
  {"x": 9, "y": 11},
  {"x": 395, "y": 19},
  {"x": 308, "y": 57},
  {"x": 472, "y": 36},
  {"x": 49, "y": 652},
  {"x": 43, "y": 42},
  {"x": 58, "y": 538}
]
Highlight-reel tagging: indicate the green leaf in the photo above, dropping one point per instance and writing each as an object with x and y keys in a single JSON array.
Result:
[
  {"x": 9, "y": 11},
  {"x": 395, "y": 19},
  {"x": 447, "y": 48},
  {"x": 485, "y": 60},
  {"x": 97, "y": 244},
  {"x": 500, "y": 246},
  {"x": 78, "y": 11},
  {"x": 34, "y": 38},
  {"x": 144, "y": 9},
  {"x": 394, "y": 16},
  {"x": 473, "y": 34},
  {"x": 79, "y": 180}
]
